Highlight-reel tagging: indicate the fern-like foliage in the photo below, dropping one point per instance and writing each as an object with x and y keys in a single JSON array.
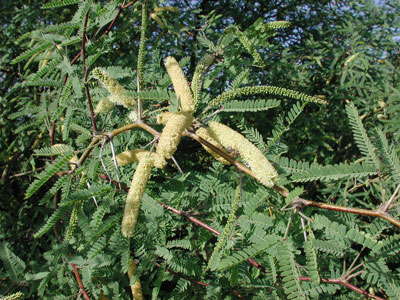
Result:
[
  {"x": 54, "y": 150},
  {"x": 58, "y": 214},
  {"x": 283, "y": 125},
  {"x": 288, "y": 269},
  {"x": 238, "y": 80},
  {"x": 360, "y": 135},
  {"x": 47, "y": 174},
  {"x": 335, "y": 172},
  {"x": 251, "y": 105},
  {"x": 292, "y": 166},
  {"x": 311, "y": 259},
  {"x": 228, "y": 227},
  {"x": 31, "y": 52},
  {"x": 389, "y": 155},
  {"x": 60, "y": 3},
  {"x": 251, "y": 251},
  {"x": 13, "y": 265}
]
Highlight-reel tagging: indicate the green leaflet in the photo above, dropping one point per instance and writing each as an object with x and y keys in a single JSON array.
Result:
[
  {"x": 13, "y": 265},
  {"x": 60, "y": 3},
  {"x": 360, "y": 135},
  {"x": 228, "y": 227},
  {"x": 288, "y": 269},
  {"x": 30, "y": 52},
  {"x": 251, "y": 105},
  {"x": 48, "y": 173},
  {"x": 54, "y": 150},
  {"x": 335, "y": 172}
]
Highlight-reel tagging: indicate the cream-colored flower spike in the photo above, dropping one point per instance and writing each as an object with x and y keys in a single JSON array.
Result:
[
  {"x": 258, "y": 163},
  {"x": 136, "y": 288},
  {"x": 104, "y": 105},
  {"x": 205, "y": 134},
  {"x": 136, "y": 191},
  {"x": 175, "y": 124},
  {"x": 132, "y": 156},
  {"x": 180, "y": 84}
]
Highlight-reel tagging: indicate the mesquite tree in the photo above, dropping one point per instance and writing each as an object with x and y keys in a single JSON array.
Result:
[{"x": 158, "y": 126}]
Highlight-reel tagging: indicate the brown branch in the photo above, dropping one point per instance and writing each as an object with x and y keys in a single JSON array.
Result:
[
  {"x": 299, "y": 202},
  {"x": 78, "y": 279},
  {"x": 83, "y": 51}
]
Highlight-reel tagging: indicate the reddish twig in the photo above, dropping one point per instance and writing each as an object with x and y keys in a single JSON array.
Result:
[
  {"x": 78, "y": 279},
  {"x": 395, "y": 67},
  {"x": 85, "y": 74},
  {"x": 299, "y": 202},
  {"x": 346, "y": 284}
]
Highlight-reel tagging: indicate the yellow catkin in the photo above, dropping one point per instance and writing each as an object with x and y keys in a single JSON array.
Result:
[
  {"x": 136, "y": 288},
  {"x": 175, "y": 124},
  {"x": 205, "y": 134},
  {"x": 249, "y": 153},
  {"x": 132, "y": 156},
  {"x": 136, "y": 191},
  {"x": 180, "y": 84}
]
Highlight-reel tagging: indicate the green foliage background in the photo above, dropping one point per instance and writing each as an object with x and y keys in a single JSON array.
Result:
[{"x": 345, "y": 153}]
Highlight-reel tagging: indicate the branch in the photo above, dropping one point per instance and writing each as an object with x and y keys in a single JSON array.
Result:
[
  {"x": 78, "y": 279},
  {"x": 299, "y": 202}
]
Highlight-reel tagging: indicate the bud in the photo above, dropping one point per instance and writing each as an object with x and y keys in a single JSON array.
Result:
[
  {"x": 180, "y": 84},
  {"x": 249, "y": 153}
]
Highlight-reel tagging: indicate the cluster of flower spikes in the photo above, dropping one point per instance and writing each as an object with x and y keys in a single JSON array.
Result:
[{"x": 175, "y": 123}]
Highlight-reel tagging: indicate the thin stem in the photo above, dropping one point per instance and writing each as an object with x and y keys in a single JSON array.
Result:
[
  {"x": 288, "y": 226},
  {"x": 177, "y": 165},
  {"x": 85, "y": 74},
  {"x": 78, "y": 279},
  {"x": 304, "y": 228},
  {"x": 365, "y": 212},
  {"x": 346, "y": 284},
  {"x": 115, "y": 162},
  {"x": 386, "y": 207},
  {"x": 102, "y": 162}
]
